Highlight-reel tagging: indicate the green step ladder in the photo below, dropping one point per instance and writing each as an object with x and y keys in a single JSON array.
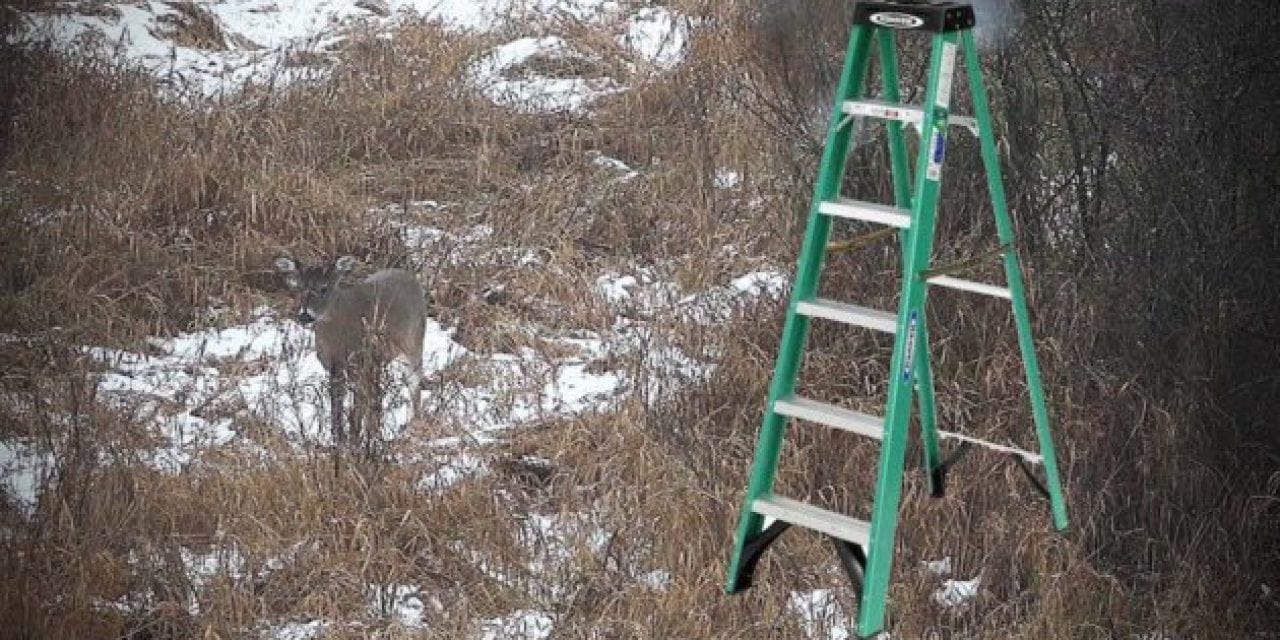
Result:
[{"x": 865, "y": 549}]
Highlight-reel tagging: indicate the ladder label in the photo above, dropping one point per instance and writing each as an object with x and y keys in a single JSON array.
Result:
[
  {"x": 896, "y": 20},
  {"x": 943, "y": 92},
  {"x": 937, "y": 151},
  {"x": 910, "y": 355}
]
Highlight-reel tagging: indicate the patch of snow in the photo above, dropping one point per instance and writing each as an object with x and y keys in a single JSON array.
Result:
[
  {"x": 23, "y": 473},
  {"x": 295, "y": 630},
  {"x": 535, "y": 93},
  {"x": 401, "y": 603},
  {"x": 726, "y": 179},
  {"x": 272, "y": 374},
  {"x": 821, "y": 615},
  {"x": 658, "y": 580},
  {"x": 524, "y": 625},
  {"x": 938, "y": 567},
  {"x": 657, "y": 35},
  {"x": 202, "y": 568},
  {"x": 957, "y": 593},
  {"x": 615, "y": 288},
  {"x": 454, "y": 467},
  {"x": 601, "y": 160},
  {"x": 762, "y": 284},
  {"x": 255, "y": 40}
]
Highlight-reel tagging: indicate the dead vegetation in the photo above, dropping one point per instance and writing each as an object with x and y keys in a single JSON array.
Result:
[{"x": 128, "y": 216}]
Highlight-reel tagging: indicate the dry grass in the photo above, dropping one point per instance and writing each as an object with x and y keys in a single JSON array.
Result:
[{"x": 128, "y": 216}]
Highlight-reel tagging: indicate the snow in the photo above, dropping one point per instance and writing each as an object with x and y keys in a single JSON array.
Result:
[
  {"x": 523, "y": 624},
  {"x": 615, "y": 288},
  {"x": 657, "y": 36},
  {"x": 202, "y": 568},
  {"x": 401, "y": 603},
  {"x": 627, "y": 174},
  {"x": 23, "y": 473},
  {"x": 296, "y": 630},
  {"x": 255, "y": 40},
  {"x": 726, "y": 179},
  {"x": 453, "y": 467},
  {"x": 821, "y": 615},
  {"x": 197, "y": 384},
  {"x": 533, "y": 92},
  {"x": 274, "y": 375},
  {"x": 658, "y": 580},
  {"x": 956, "y": 594},
  {"x": 938, "y": 567},
  {"x": 762, "y": 283}
]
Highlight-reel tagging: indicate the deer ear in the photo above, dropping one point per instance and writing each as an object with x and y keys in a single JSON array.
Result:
[{"x": 345, "y": 264}]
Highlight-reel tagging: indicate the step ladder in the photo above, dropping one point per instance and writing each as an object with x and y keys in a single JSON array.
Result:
[{"x": 865, "y": 549}]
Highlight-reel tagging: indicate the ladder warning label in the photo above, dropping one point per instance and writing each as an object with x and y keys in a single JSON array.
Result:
[
  {"x": 910, "y": 355},
  {"x": 936, "y": 154},
  {"x": 943, "y": 97}
]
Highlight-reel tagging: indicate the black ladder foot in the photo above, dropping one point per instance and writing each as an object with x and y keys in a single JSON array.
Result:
[
  {"x": 752, "y": 549},
  {"x": 1031, "y": 476},
  {"x": 938, "y": 475},
  {"x": 854, "y": 562}
]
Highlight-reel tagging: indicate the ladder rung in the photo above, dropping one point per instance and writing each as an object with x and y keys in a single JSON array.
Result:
[
  {"x": 811, "y": 517},
  {"x": 848, "y": 314},
  {"x": 910, "y": 114},
  {"x": 1033, "y": 458},
  {"x": 867, "y": 212},
  {"x": 830, "y": 415},
  {"x": 969, "y": 285}
]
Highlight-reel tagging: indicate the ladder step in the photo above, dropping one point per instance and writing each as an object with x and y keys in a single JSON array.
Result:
[
  {"x": 848, "y": 314},
  {"x": 830, "y": 415},
  {"x": 910, "y": 114},
  {"x": 969, "y": 285},
  {"x": 811, "y": 517},
  {"x": 1033, "y": 458},
  {"x": 867, "y": 212}
]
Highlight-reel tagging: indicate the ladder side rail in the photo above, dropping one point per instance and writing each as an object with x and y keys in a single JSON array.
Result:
[
  {"x": 871, "y": 610},
  {"x": 772, "y": 430},
  {"x": 1013, "y": 275},
  {"x": 901, "y": 172}
]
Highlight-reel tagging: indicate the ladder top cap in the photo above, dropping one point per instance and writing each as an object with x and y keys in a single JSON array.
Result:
[{"x": 914, "y": 15}]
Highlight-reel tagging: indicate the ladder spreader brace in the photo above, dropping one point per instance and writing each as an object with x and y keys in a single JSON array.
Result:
[{"x": 865, "y": 549}]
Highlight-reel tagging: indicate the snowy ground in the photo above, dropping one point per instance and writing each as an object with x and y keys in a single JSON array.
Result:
[
  {"x": 198, "y": 391},
  {"x": 206, "y": 392},
  {"x": 242, "y": 42}
]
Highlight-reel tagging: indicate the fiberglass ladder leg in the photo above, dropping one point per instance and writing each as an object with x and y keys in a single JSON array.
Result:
[{"x": 865, "y": 549}]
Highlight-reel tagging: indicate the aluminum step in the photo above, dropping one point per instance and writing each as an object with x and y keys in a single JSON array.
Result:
[
  {"x": 1033, "y": 458},
  {"x": 848, "y": 314},
  {"x": 908, "y": 113},
  {"x": 811, "y": 517},
  {"x": 969, "y": 285},
  {"x": 830, "y": 415},
  {"x": 867, "y": 212}
]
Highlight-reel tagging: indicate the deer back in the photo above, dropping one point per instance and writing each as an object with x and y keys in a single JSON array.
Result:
[{"x": 384, "y": 314}]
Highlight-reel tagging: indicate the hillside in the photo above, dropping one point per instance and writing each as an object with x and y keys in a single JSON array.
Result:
[{"x": 604, "y": 200}]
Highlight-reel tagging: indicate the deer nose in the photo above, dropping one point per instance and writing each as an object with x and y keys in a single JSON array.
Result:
[{"x": 305, "y": 317}]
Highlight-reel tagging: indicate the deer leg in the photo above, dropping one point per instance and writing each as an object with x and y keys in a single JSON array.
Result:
[
  {"x": 337, "y": 395},
  {"x": 415, "y": 392},
  {"x": 414, "y": 352},
  {"x": 357, "y": 415}
]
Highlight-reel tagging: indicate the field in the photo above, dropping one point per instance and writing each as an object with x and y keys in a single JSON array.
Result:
[{"x": 605, "y": 205}]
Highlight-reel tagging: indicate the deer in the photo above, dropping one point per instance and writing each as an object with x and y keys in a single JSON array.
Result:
[{"x": 360, "y": 327}]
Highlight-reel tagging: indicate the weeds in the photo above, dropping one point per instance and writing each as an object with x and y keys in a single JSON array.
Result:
[{"x": 129, "y": 215}]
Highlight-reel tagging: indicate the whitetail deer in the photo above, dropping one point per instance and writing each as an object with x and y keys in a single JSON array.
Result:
[{"x": 360, "y": 327}]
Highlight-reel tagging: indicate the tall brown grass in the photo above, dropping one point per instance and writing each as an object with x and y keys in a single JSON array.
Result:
[{"x": 129, "y": 215}]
